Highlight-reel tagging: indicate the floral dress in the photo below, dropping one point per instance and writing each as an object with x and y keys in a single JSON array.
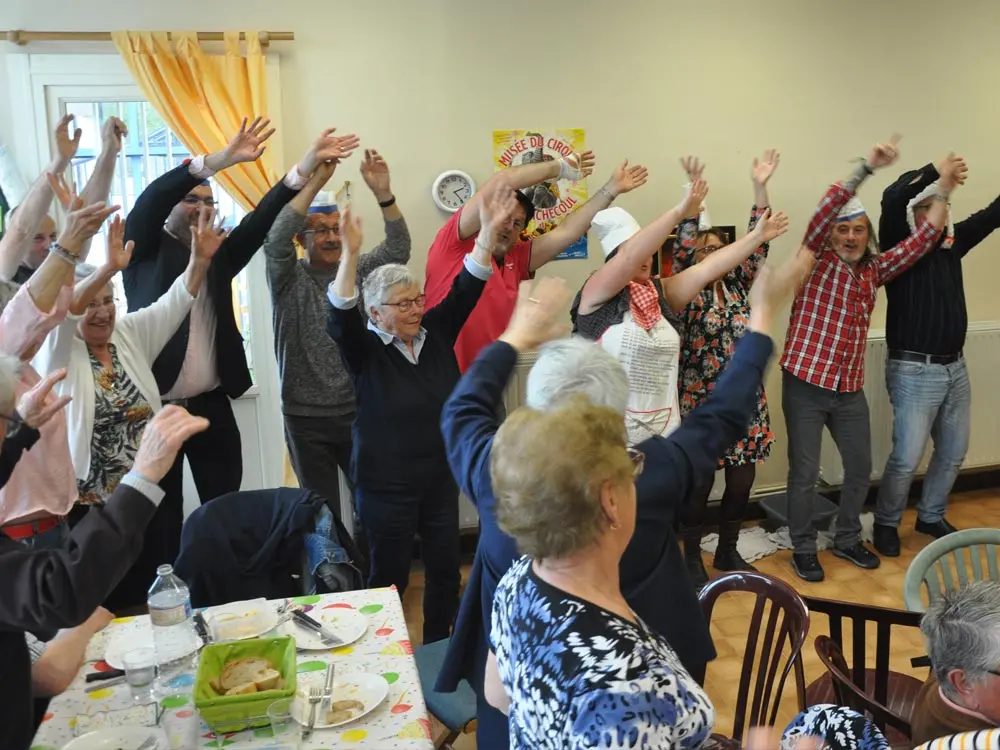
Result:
[
  {"x": 120, "y": 415},
  {"x": 579, "y": 676},
  {"x": 714, "y": 321}
]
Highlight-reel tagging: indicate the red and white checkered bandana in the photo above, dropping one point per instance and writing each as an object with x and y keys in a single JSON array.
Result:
[{"x": 644, "y": 304}]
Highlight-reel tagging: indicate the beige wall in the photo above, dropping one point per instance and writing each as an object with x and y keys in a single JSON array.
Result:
[{"x": 426, "y": 81}]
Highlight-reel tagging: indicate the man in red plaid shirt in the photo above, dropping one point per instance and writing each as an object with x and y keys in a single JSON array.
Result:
[{"x": 824, "y": 359}]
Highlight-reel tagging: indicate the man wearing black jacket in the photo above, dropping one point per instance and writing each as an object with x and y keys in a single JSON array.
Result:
[
  {"x": 204, "y": 366},
  {"x": 45, "y": 590},
  {"x": 926, "y": 376}
]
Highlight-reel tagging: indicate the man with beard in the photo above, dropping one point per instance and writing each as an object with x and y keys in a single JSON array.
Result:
[
  {"x": 317, "y": 398},
  {"x": 204, "y": 366}
]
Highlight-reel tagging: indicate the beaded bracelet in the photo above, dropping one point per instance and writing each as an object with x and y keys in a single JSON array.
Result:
[{"x": 64, "y": 254}]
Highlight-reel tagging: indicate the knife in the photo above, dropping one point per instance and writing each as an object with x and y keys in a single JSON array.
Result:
[
  {"x": 329, "y": 638},
  {"x": 109, "y": 675},
  {"x": 105, "y": 684},
  {"x": 202, "y": 628}
]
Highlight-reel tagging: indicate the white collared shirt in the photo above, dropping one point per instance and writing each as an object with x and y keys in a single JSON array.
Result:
[
  {"x": 199, "y": 372},
  {"x": 478, "y": 270}
]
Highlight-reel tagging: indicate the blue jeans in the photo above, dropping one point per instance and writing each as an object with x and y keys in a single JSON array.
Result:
[
  {"x": 54, "y": 538},
  {"x": 927, "y": 400}
]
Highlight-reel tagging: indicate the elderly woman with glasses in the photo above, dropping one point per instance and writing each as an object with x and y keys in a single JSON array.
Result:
[
  {"x": 109, "y": 364},
  {"x": 402, "y": 363}
]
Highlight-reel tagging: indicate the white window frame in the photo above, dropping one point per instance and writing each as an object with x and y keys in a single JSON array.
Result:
[{"x": 34, "y": 79}]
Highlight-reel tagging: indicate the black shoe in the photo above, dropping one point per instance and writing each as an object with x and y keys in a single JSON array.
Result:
[
  {"x": 692, "y": 555},
  {"x": 886, "y": 540},
  {"x": 937, "y": 529},
  {"x": 696, "y": 569},
  {"x": 726, "y": 556},
  {"x": 860, "y": 555},
  {"x": 807, "y": 567}
]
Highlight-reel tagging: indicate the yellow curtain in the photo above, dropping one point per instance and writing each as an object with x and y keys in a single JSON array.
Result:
[{"x": 202, "y": 97}]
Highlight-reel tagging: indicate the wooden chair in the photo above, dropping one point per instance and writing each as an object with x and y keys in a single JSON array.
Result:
[
  {"x": 886, "y": 696},
  {"x": 773, "y": 648},
  {"x": 932, "y": 567}
]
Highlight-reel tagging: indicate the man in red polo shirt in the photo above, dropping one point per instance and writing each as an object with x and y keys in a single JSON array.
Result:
[{"x": 514, "y": 259}]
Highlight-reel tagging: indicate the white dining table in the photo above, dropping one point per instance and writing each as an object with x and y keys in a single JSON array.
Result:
[{"x": 400, "y": 722}]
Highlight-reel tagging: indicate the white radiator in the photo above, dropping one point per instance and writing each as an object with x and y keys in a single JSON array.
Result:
[{"x": 982, "y": 354}]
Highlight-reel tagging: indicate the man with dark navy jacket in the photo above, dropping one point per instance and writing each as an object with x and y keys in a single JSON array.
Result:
[
  {"x": 204, "y": 366},
  {"x": 654, "y": 578}
]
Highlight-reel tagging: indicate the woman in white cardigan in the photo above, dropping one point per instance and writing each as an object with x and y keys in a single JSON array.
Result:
[{"x": 109, "y": 364}]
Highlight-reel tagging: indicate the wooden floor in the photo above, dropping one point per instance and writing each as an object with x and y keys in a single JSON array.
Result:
[{"x": 844, "y": 581}]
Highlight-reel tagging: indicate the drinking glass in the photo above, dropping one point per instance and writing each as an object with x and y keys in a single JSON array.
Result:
[
  {"x": 140, "y": 672},
  {"x": 181, "y": 722},
  {"x": 285, "y": 729}
]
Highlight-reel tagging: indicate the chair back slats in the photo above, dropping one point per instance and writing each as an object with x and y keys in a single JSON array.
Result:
[
  {"x": 773, "y": 647},
  {"x": 883, "y": 631},
  {"x": 931, "y": 570},
  {"x": 858, "y": 651}
]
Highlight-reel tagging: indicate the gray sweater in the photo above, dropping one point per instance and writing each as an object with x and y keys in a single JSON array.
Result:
[{"x": 313, "y": 380}]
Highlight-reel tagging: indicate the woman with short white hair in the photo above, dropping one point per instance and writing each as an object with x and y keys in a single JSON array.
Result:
[{"x": 403, "y": 367}]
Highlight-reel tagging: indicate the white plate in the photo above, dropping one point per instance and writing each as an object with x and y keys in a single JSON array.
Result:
[
  {"x": 369, "y": 689},
  {"x": 126, "y": 738},
  {"x": 239, "y": 621},
  {"x": 138, "y": 634},
  {"x": 348, "y": 624}
]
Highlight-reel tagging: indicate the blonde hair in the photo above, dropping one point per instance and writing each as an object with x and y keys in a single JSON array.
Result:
[{"x": 548, "y": 468}]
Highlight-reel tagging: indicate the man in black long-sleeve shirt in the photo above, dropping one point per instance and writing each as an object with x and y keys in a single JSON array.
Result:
[
  {"x": 204, "y": 366},
  {"x": 926, "y": 376}
]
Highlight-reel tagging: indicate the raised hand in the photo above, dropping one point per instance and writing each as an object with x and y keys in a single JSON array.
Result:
[
  {"x": 119, "y": 251},
  {"x": 692, "y": 168},
  {"x": 626, "y": 178},
  {"x": 248, "y": 144},
  {"x": 577, "y": 166},
  {"x": 162, "y": 439},
  {"x": 351, "y": 232},
  {"x": 328, "y": 147},
  {"x": 764, "y": 167},
  {"x": 695, "y": 197},
  {"x": 495, "y": 207},
  {"x": 82, "y": 223},
  {"x": 771, "y": 225},
  {"x": 112, "y": 134},
  {"x": 375, "y": 172},
  {"x": 207, "y": 235},
  {"x": 884, "y": 154},
  {"x": 66, "y": 146},
  {"x": 64, "y": 191},
  {"x": 540, "y": 315},
  {"x": 35, "y": 407},
  {"x": 952, "y": 171}
]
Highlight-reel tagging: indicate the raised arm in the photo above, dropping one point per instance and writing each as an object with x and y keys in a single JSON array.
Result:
[
  {"x": 396, "y": 246},
  {"x": 686, "y": 240},
  {"x": 29, "y": 214},
  {"x": 45, "y": 589},
  {"x": 616, "y": 273},
  {"x": 760, "y": 174},
  {"x": 98, "y": 187},
  {"x": 573, "y": 227},
  {"x": 680, "y": 289},
  {"x": 247, "y": 238},
  {"x": 574, "y": 167}
]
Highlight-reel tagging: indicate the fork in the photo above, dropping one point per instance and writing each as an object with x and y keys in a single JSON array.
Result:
[{"x": 315, "y": 696}]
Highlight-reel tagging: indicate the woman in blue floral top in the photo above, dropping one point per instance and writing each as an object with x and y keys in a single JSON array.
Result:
[
  {"x": 569, "y": 662},
  {"x": 714, "y": 321}
]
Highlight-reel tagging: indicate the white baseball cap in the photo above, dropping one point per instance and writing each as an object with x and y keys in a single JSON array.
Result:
[{"x": 613, "y": 226}]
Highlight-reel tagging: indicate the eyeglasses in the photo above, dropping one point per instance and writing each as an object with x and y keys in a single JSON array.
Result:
[
  {"x": 638, "y": 459},
  {"x": 194, "y": 200},
  {"x": 406, "y": 304},
  {"x": 324, "y": 231},
  {"x": 106, "y": 302},
  {"x": 993, "y": 672}
]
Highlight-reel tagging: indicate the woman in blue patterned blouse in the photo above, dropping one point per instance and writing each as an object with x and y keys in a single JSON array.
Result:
[{"x": 569, "y": 661}]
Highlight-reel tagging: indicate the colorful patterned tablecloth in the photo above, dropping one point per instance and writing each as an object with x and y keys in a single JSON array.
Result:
[{"x": 400, "y": 721}]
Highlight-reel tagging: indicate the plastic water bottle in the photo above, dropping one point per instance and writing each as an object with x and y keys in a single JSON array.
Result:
[{"x": 175, "y": 639}]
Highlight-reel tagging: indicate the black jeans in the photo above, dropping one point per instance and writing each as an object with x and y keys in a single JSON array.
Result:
[
  {"x": 317, "y": 446},
  {"x": 391, "y": 521},
  {"x": 808, "y": 409}
]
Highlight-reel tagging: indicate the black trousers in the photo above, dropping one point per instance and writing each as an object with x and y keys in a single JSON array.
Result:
[
  {"x": 392, "y": 521},
  {"x": 215, "y": 455},
  {"x": 317, "y": 447}
]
